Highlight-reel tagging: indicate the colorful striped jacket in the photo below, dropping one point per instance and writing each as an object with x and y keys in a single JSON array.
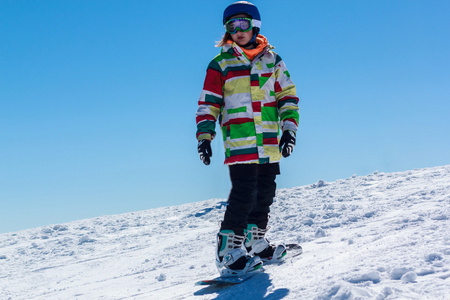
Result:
[{"x": 252, "y": 100}]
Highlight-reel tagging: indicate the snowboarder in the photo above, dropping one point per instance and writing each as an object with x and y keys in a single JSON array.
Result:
[{"x": 249, "y": 90}]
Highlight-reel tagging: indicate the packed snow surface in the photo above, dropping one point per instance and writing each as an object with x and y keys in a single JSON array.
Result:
[{"x": 381, "y": 236}]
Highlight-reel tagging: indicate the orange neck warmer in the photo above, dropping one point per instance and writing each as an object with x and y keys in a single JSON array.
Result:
[{"x": 251, "y": 53}]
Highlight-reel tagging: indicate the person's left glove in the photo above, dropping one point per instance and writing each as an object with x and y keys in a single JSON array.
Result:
[
  {"x": 287, "y": 143},
  {"x": 204, "y": 150}
]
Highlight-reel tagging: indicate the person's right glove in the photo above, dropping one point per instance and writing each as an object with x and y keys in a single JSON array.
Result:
[
  {"x": 204, "y": 150},
  {"x": 287, "y": 143}
]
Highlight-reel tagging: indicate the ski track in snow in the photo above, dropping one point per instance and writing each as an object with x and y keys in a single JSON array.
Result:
[{"x": 381, "y": 236}]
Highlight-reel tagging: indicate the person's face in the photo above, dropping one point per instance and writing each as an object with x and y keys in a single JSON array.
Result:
[{"x": 242, "y": 38}]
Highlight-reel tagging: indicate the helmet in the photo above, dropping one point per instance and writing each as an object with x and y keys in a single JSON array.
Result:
[{"x": 242, "y": 7}]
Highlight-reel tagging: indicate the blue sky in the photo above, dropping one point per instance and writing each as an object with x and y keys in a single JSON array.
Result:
[{"x": 97, "y": 99}]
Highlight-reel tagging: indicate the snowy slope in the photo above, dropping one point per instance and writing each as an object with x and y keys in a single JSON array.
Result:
[{"x": 381, "y": 236}]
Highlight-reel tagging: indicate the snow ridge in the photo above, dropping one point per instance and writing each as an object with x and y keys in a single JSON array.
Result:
[{"x": 380, "y": 236}]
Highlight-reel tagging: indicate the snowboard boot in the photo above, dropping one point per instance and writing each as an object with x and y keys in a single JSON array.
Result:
[
  {"x": 257, "y": 244},
  {"x": 231, "y": 259}
]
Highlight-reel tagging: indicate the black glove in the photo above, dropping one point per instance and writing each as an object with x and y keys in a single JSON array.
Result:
[
  {"x": 287, "y": 143},
  {"x": 204, "y": 150}
]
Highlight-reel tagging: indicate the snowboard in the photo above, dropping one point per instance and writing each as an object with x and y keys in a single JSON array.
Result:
[
  {"x": 231, "y": 280},
  {"x": 292, "y": 250}
]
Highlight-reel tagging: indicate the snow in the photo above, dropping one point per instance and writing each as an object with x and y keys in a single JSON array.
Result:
[{"x": 380, "y": 236}]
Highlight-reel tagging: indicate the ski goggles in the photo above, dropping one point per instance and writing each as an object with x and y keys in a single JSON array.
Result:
[{"x": 241, "y": 24}]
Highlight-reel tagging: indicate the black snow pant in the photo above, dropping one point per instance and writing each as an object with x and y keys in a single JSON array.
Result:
[{"x": 253, "y": 188}]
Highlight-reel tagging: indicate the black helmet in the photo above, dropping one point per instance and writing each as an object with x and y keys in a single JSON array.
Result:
[{"x": 242, "y": 7}]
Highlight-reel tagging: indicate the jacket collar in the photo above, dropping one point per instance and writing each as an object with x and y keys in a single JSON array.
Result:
[{"x": 234, "y": 49}]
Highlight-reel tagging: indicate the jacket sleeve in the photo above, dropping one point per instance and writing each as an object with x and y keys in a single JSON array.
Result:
[
  {"x": 286, "y": 96},
  {"x": 210, "y": 102}
]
